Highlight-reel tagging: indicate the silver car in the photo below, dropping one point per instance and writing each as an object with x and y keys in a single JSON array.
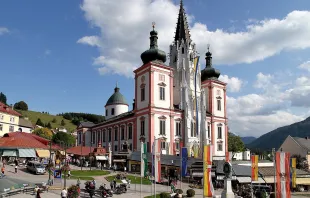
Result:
[{"x": 36, "y": 167}]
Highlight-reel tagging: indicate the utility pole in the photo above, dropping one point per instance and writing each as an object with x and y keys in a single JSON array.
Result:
[{"x": 50, "y": 163}]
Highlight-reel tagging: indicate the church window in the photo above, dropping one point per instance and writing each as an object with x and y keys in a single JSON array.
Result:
[
  {"x": 178, "y": 128},
  {"x": 219, "y": 106},
  {"x": 142, "y": 123},
  {"x": 177, "y": 145},
  {"x": 219, "y": 147},
  {"x": 163, "y": 145},
  {"x": 193, "y": 129},
  {"x": 142, "y": 94},
  {"x": 122, "y": 133},
  {"x": 115, "y": 147},
  {"x": 182, "y": 50},
  {"x": 191, "y": 57},
  {"x": 116, "y": 134},
  {"x": 175, "y": 59},
  {"x": 162, "y": 127},
  {"x": 106, "y": 112},
  {"x": 161, "y": 77},
  {"x": 162, "y": 93},
  {"x": 112, "y": 111},
  {"x": 129, "y": 132},
  {"x": 219, "y": 132},
  {"x": 209, "y": 131},
  {"x": 110, "y": 135}
]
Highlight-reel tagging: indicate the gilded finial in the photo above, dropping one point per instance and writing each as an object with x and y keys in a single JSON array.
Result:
[{"x": 153, "y": 25}]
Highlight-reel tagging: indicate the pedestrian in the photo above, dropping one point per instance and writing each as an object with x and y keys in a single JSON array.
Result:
[
  {"x": 64, "y": 193},
  {"x": 114, "y": 184},
  {"x": 129, "y": 181},
  {"x": 124, "y": 168},
  {"x": 111, "y": 185},
  {"x": 69, "y": 174},
  {"x": 38, "y": 193},
  {"x": 94, "y": 182},
  {"x": 78, "y": 182},
  {"x": 3, "y": 169},
  {"x": 15, "y": 169}
]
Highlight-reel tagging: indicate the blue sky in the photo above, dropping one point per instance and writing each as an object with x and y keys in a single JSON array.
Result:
[{"x": 66, "y": 56}]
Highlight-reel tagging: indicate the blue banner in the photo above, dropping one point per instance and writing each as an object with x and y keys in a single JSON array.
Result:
[{"x": 184, "y": 161}]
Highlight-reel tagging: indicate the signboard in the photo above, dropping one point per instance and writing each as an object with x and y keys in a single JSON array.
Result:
[
  {"x": 57, "y": 178},
  {"x": 57, "y": 174}
]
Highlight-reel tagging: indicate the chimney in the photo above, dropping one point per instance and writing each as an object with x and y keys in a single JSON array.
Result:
[{"x": 133, "y": 104}]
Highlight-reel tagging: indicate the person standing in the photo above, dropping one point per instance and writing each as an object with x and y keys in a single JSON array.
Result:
[
  {"x": 111, "y": 185},
  {"x": 114, "y": 184},
  {"x": 64, "y": 193},
  {"x": 124, "y": 168},
  {"x": 15, "y": 169},
  {"x": 3, "y": 169}
]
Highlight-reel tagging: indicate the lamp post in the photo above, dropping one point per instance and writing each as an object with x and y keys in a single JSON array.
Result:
[{"x": 49, "y": 164}]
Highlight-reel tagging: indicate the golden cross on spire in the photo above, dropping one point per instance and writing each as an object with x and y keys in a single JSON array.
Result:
[{"x": 153, "y": 25}]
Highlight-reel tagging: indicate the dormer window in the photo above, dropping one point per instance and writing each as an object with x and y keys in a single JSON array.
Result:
[{"x": 112, "y": 111}]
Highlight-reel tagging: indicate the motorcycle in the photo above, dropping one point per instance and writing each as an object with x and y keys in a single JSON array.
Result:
[
  {"x": 90, "y": 188},
  {"x": 122, "y": 188},
  {"x": 105, "y": 192}
]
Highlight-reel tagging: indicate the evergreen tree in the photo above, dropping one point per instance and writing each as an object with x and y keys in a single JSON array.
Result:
[
  {"x": 39, "y": 122},
  {"x": 54, "y": 120},
  {"x": 235, "y": 143},
  {"x": 49, "y": 125},
  {"x": 3, "y": 98},
  {"x": 63, "y": 123}
]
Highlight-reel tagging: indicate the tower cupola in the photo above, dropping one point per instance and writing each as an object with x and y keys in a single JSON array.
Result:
[
  {"x": 153, "y": 54},
  {"x": 209, "y": 72},
  {"x": 116, "y": 104}
]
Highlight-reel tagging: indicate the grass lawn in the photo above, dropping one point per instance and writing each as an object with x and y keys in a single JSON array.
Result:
[
  {"x": 151, "y": 196},
  {"x": 45, "y": 118},
  {"x": 87, "y": 174},
  {"x": 134, "y": 179}
]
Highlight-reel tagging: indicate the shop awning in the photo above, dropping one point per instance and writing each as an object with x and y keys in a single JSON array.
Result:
[
  {"x": 9, "y": 153},
  {"x": 303, "y": 181},
  {"x": 248, "y": 180},
  {"x": 119, "y": 160},
  {"x": 61, "y": 152},
  {"x": 26, "y": 153},
  {"x": 43, "y": 153},
  {"x": 101, "y": 158},
  {"x": 200, "y": 174}
]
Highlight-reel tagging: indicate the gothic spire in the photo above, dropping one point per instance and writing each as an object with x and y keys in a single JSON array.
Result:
[{"x": 182, "y": 31}]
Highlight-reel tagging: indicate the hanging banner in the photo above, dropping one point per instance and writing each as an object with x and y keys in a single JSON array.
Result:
[
  {"x": 228, "y": 156},
  {"x": 254, "y": 159},
  {"x": 156, "y": 160},
  {"x": 143, "y": 160},
  {"x": 184, "y": 161},
  {"x": 196, "y": 150},
  {"x": 283, "y": 175},
  {"x": 293, "y": 172},
  {"x": 208, "y": 190}
]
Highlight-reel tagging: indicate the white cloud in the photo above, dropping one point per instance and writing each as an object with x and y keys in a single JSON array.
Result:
[
  {"x": 47, "y": 52},
  {"x": 305, "y": 65},
  {"x": 125, "y": 25},
  {"x": 263, "y": 80},
  {"x": 234, "y": 84},
  {"x": 90, "y": 40},
  {"x": 3, "y": 30}
]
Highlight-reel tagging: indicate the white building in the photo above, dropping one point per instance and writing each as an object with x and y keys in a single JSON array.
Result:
[
  {"x": 164, "y": 105},
  {"x": 245, "y": 155}
]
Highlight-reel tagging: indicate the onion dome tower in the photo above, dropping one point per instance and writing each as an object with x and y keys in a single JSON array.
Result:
[
  {"x": 116, "y": 104},
  {"x": 153, "y": 54},
  {"x": 209, "y": 72}
]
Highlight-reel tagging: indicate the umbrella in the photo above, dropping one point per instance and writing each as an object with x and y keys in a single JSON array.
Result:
[{"x": 8, "y": 182}]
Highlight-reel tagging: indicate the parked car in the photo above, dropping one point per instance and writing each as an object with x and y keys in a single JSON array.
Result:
[{"x": 36, "y": 167}]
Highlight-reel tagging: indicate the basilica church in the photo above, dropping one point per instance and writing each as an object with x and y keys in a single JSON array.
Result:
[{"x": 169, "y": 104}]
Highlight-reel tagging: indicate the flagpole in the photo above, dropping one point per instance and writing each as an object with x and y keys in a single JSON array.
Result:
[
  {"x": 181, "y": 168},
  {"x": 275, "y": 171},
  {"x": 142, "y": 167}
]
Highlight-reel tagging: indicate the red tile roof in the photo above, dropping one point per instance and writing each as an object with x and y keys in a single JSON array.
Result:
[
  {"x": 77, "y": 150},
  {"x": 25, "y": 140},
  {"x": 6, "y": 109}
]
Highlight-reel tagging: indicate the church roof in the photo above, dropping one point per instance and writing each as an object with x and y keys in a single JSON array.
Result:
[
  {"x": 116, "y": 98},
  {"x": 182, "y": 30}
]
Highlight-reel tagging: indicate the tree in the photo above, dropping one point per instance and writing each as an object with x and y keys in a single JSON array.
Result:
[
  {"x": 63, "y": 123},
  {"x": 235, "y": 143},
  {"x": 54, "y": 120},
  {"x": 21, "y": 105},
  {"x": 44, "y": 133},
  {"x": 301, "y": 162},
  {"x": 3, "y": 98},
  {"x": 49, "y": 125},
  {"x": 39, "y": 122},
  {"x": 62, "y": 137}
]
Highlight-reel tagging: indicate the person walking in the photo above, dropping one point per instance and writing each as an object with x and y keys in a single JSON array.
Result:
[
  {"x": 3, "y": 169},
  {"x": 111, "y": 185},
  {"x": 114, "y": 184},
  {"x": 15, "y": 169},
  {"x": 38, "y": 193}
]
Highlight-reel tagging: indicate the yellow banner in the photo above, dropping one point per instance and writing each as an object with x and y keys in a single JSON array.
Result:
[
  {"x": 293, "y": 162},
  {"x": 196, "y": 151},
  {"x": 254, "y": 159},
  {"x": 207, "y": 192},
  {"x": 294, "y": 172},
  {"x": 196, "y": 59}
]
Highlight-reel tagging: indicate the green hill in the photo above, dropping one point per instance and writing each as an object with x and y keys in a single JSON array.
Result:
[
  {"x": 47, "y": 118},
  {"x": 275, "y": 138}
]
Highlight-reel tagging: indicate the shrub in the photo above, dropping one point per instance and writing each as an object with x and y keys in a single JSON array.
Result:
[
  {"x": 165, "y": 195},
  {"x": 190, "y": 193},
  {"x": 179, "y": 191},
  {"x": 73, "y": 191}
]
